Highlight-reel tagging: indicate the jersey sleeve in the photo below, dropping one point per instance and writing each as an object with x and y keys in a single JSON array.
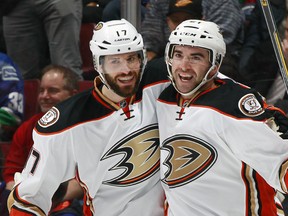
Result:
[
  {"x": 51, "y": 162},
  {"x": 19, "y": 208},
  {"x": 256, "y": 144}
]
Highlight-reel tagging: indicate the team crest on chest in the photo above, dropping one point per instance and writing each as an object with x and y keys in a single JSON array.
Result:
[
  {"x": 250, "y": 106},
  {"x": 49, "y": 118},
  {"x": 140, "y": 157},
  {"x": 188, "y": 158}
]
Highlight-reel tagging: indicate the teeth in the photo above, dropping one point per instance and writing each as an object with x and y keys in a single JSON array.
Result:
[
  {"x": 125, "y": 78},
  {"x": 186, "y": 76}
]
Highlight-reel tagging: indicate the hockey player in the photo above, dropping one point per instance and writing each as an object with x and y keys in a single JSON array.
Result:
[
  {"x": 218, "y": 154},
  {"x": 107, "y": 137}
]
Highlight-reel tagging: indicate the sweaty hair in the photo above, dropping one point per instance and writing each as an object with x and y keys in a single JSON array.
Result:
[{"x": 70, "y": 78}]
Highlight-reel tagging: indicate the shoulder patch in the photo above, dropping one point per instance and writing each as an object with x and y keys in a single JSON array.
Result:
[
  {"x": 50, "y": 118},
  {"x": 250, "y": 106}
]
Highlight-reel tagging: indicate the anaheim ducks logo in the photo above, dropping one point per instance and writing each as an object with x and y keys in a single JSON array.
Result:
[
  {"x": 141, "y": 154},
  {"x": 188, "y": 159}
]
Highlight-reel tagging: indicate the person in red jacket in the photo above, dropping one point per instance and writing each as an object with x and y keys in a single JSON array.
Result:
[{"x": 57, "y": 84}]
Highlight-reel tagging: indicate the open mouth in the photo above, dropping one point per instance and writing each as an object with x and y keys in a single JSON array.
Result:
[
  {"x": 185, "y": 77},
  {"x": 126, "y": 79}
]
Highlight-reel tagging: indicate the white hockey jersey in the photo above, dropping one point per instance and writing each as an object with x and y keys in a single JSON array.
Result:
[
  {"x": 218, "y": 157},
  {"x": 113, "y": 147}
]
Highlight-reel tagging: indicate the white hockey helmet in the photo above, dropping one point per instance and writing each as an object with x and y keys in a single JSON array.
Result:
[
  {"x": 115, "y": 37},
  {"x": 197, "y": 33}
]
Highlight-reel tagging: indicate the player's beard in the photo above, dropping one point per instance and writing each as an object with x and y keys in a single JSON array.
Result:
[{"x": 126, "y": 91}]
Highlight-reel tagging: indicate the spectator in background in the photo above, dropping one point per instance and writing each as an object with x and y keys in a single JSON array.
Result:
[
  {"x": 179, "y": 12},
  {"x": 112, "y": 10},
  {"x": 277, "y": 93},
  {"x": 11, "y": 97},
  {"x": 247, "y": 7},
  {"x": 154, "y": 28},
  {"x": 258, "y": 65},
  {"x": 57, "y": 84},
  {"x": 229, "y": 17},
  {"x": 35, "y": 30},
  {"x": 5, "y": 7},
  {"x": 227, "y": 14},
  {"x": 93, "y": 10},
  {"x": 176, "y": 14}
]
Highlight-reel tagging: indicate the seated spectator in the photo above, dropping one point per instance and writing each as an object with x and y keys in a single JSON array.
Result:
[
  {"x": 57, "y": 84},
  {"x": 11, "y": 97}
]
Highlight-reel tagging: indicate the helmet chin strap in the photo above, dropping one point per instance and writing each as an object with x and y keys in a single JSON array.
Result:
[
  {"x": 102, "y": 78},
  {"x": 204, "y": 80}
]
